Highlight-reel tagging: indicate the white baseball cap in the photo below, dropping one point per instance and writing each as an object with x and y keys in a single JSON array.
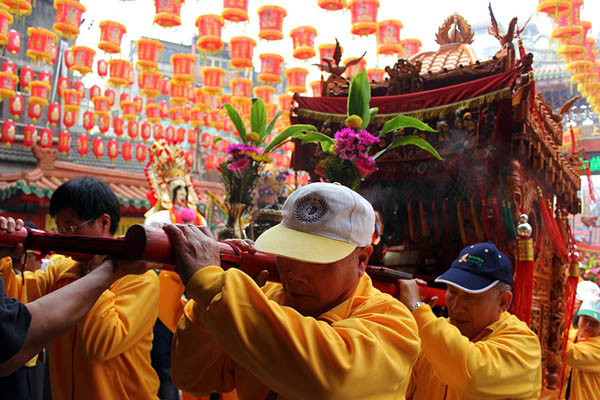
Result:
[
  {"x": 322, "y": 223},
  {"x": 587, "y": 291}
]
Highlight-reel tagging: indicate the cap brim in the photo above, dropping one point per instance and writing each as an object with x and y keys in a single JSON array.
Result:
[
  {"x": 466, "y": 281},
  {"x": 590, "y": 313},
  {"x": 302, "y": 246}
]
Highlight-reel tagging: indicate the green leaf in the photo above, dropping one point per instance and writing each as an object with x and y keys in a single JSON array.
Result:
[
  {"x": 405, "y": 141},
  {"x": 270, "y": 127},
  {"x": 237, "y": 121},
  {"x": 372, "y": 112},
  {"x": 258, "y": 116},
  {"x": 316, "y": 137},
  {"x": 289, "y": 132},
  {"x": 217, "y": 140},
  {"x": 403, "y": 121},
  {"x": 359, "y": 96}
]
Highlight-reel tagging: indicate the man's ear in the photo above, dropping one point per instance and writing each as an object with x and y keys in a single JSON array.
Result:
[
  {"x": 105, "y": 222},
  {"x": 364, "y": 254},
  {"x": 505, "y": 300}
]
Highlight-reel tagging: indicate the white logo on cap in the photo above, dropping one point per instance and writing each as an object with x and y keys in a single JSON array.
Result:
[{"x": 310, "y": 209}]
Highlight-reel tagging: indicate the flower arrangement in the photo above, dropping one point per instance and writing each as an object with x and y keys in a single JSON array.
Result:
[
  {"x": 592, "y": 273},
  {"x": 351, "y": 155}
]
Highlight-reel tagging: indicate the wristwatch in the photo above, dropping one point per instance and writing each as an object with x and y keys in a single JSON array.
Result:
[{"x": 417, "y": 305}]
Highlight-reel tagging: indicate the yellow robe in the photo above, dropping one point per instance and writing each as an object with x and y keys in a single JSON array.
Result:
[{"x": 583, "y": 358}]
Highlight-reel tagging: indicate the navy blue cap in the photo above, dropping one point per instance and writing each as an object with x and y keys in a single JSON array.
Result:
[{"x": 478, "y": 268}]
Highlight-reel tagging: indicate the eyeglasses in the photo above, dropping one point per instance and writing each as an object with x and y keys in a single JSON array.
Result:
[{"x": 71, "y": 229}]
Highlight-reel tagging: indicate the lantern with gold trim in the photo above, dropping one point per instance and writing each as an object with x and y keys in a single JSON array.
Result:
[
  {"x": 153, "y": 113},
  {"x": 410, "y": 47},
  {"x": 176, "y": 115},
  {"x": 68, "y": 18},
  {"x": 180, "y": 135},
  {"x": 554, "y": 8},
  {"x": 285, "y": 102},
  {"x": 209, "y": 33},
  {"x": 88, "y": 120},
  {"x": 271, "y": 112},
  {"x": 182, "y": 67},
  {"x": 80, "y": 87},
  {"x": 34, "y": 111},
  {"x": 111, "y": 96},
  {"x": 111, "y": 33},
  {"x": 69, "y": 58},
  {"x": 163, "y": 109},
  {"x": 296, "y": 79},
  {"x": 196, "y": 118},
  {"x": 8, "y": 85},
  {"x": 388, "y": 37},
  {"x": 124, "y": 97},
  {"x": 265, "y": 93},
  {"x": 303, "y": 38},
  {"x": 240, "y": 51},
  {"x": 9, "y": 66},
  {"x": 8, "y": 132},
  {"x": 375, "y": 74},
  {"x": 112, "y": 149},
  {"x": 101, "y": 106},
  {"x": 157, "y": 131},
  {"x": 571, "y": 51},
  {"x": 83, "y": 145},
  {"x": 95, "y": 91},
  {"x": 127, "y": 151},
  {"x": 29, "y": 136},
  {"x": 14, "y": 42},
  {"x": 118, "y": 126},
  {"x": 46, "y": 138},
  {"x": 53, "y": 114},
  {"x": 103, "y": 123},
  {"x": 69, "y": 119},
  {"x": 271, "y": 21},
  {"x": 178, "y": 93},
  {"x": 241, "y": 87},
  {"x": 326, "y": 50},
  {"x": 192, "y": 136},
  {"x": 270, "y": 68},
  {"x": 332, "y": 5},
  {"x": 140, "y": 152},
  {"x": 41, "y": 45},
  {"x": 128, "y": 108},
  {"x": 64, "y": 142},
  {"x": 63, "y": 84},
  {"x": 352, "y": 70},
  {"x": 39, "y": 93},
  {"x": 133, "y": 129},
  {"x": 139, "y": 104},
  {"x": 316, "y": 87},
  {"x": 145, "y": 130},
  {"x": 17, "y": 7},
  {"x": 364, "y": 16},
  {"x": 213, "y": 79},
  {"x": 148, "y": 52},
  {"x": 150, "y": 83},
  {"x": 119, "y": 72},
  {"x": 235, "y": 10},
  {"x": 566, "y": 31},
  {"x": 45, "y": 77},
  {"x": 25, "y": 77},
  {"x": 168, "y": 13},
  {"x": 102, "y": 67},
  {"x": 5, "y": 21},
  {"x": 243, "y": 105},
  {"x": 16, "y": 106},
  {"x": 83, "y": 59},
  {"x": 170, "y": 134}
]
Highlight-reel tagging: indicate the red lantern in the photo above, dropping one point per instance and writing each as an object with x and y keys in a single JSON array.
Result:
[
  {"x": 170, "y": 134},
  {"x": 164, "y": 109},
  {"x": 150, "y": 83},
  {"x": 118, "y": 126},
  {"x": 69, "y": 119},
  {"x": 146, "y": 130},
  {"x": 14, "y": 42},
  {"x": 80, "y": 87},
  {"x": 72, "y": 99},
  {"x": 17, "y": 105},
  {"x": 5, "y": 21},
  {"x": 271, "y": 20},
  {"x": 364, "y": 16},
  {"x": 148, "y": 52},
  {"x": 26, "y": 76},
  {"x": 285, "y": 102},
  {"x": 54, "y": 114},
  {"x": 235, "y": 10},
  {"x": 410, "y": 47},
  {"x": 176, "y": 115},
  {"x": 95, "y": 91},
  {"x": 240, "y": 51},
  {"x": 180, "y": 135},
  {"x": 101, "y": 106},
  {"x": 240, "y": 87},
  {"x": 304, "y": 42},
  {"x": 164, "y": 86},
  {"x": 46, "y": 136},
  {"x": 178, "y": 93},
  {"x": 265, "y": 93},
  {"x": 316, "y": 88},
  {"x": 191, "y": 136},
  {"x": 388, "y": 37},
  {"x": 102, "y": 67},
  {"x": 140, "y": 152},
  {"x": 132, "y": 129},
  {"x": 83, "y": 59},
  {"x": 8, "y": 85},
  {"x": 332, "y": 5},
  {"x": 103, "y": 123},
  {"x": 128, "y": 109},
  {"x": 296, "y": 79},
  {"x": 9, "y": 67},
  {"x": 45, "y": 77},
  {"x": 63, "y": 84},
  {"x": 153, "y": 113},
  {"x": 64, "y": 142},
  {"x": 270, "y": 68},
  {"x": 206, "y": 139},
  {"x": 98, "y": 147},
  {"x": 356, "y": 68},
  {"x": 8, "y": 132},
  {"x": 68, "y": 18},
  {"x": 111, "y": 33},
  {"x": 196, "y": 119},
  {"x": 88, "y": 121},
  {"x": 112, "y": 149},
  {"x": 119, "y": 72},
  {"x": 34, "y": 111},
  {"x": 182, "y": 68},
  {"x": 375, "y": 74},
  {"x": 209, "y": 162},
  {"x": 157, "y": 131},
  {"x": 139, "y": 104},
  {"x": 243, "y": 105},
  {"x": 126, "y": 151},
  {"x": 29, "y": 136},
  {"x": 69, "y": 58},
  {"x": 209, "y": 33},
  {"x": 213, "y": 79},
  {"x": 39, "y": 93},
  {"x": 167, "y": 13},
  {"x": 41, "y": 45},
  {"x": 83, "y": 145}
]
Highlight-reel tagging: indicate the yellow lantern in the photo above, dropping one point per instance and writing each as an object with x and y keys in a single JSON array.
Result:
[
  {"x": 41, "y": 45},
  {"x": 39, "y": 93},
  {"x": 240, "y": 87},
  {"x": 235, "y": 10},
  {"x": 83, "y": 59},
  {"x": 209, "y": 33},
  {"x": 240, "y": 51},
  {"x": 364, "y": 16},
  {"x": 213, "y": 79},
  {"x": 182, "y": 67},
  {"x": 332, "y": 5},
  {"x": 148, "y": 52},
  {"x": 119, "y": 72},
  {"x": 271, "y": 21},
  {"x": 111, "y": 33},
  {"x": 68, "y": 18},
  {"x": 5, "y": 21},
  {"x": 168, "y": 13},
  {"x": 265, "y": 93},
  {"x": 296, "y": 79},
  {"x": 17, "y": 7},
  {"x": 303, "y": 38}
]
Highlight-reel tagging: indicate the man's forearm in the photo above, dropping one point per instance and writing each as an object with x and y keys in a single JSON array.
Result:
[{"x": 57, "y": 312}]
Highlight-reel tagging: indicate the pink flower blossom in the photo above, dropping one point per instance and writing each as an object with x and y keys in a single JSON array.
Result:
[
  {"x": 187, "y": 215},
  {"x": 365, "y": 168},
  {"x": 239, "y": 165}
]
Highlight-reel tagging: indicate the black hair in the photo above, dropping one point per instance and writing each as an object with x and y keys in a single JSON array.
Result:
[
  {"x": 176, "y": 189},
  {"x": 89, "y": 198}
]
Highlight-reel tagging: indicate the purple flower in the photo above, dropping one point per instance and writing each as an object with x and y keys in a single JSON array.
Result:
[
  {"x": 235, "y": 149},
  {"x": 239, "y": 165}
]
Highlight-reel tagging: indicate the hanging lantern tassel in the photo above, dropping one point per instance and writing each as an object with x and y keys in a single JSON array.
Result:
[
  {"x": 411, "y": 222},
  {"x": 461, "y": 225},
  {"x": 476, "y": 224},
  {"x": 523, "y": 290},
  {"x": 588, "y": 175},
  {"x": 436, "y": 223},
  {"x": 424, "y": 224}
]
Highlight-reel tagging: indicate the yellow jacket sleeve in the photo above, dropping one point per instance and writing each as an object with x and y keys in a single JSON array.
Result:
[
  {"x": 584, "y": 355},
  {"x": 502, "y": 366},
  {"x": 121, "y": 316},
  {"x": 302, "y": 357},
  {"x": 170, "y": 305},
  {"x": 33, "y": 285}
]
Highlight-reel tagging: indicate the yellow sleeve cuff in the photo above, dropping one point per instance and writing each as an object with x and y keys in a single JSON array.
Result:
[
  {"x": 423, "y": 315},
  {"x": 205, "y": 284}
]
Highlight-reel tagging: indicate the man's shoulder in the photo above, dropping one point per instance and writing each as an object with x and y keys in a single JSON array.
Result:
[{"x": 510, "y": 324}]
